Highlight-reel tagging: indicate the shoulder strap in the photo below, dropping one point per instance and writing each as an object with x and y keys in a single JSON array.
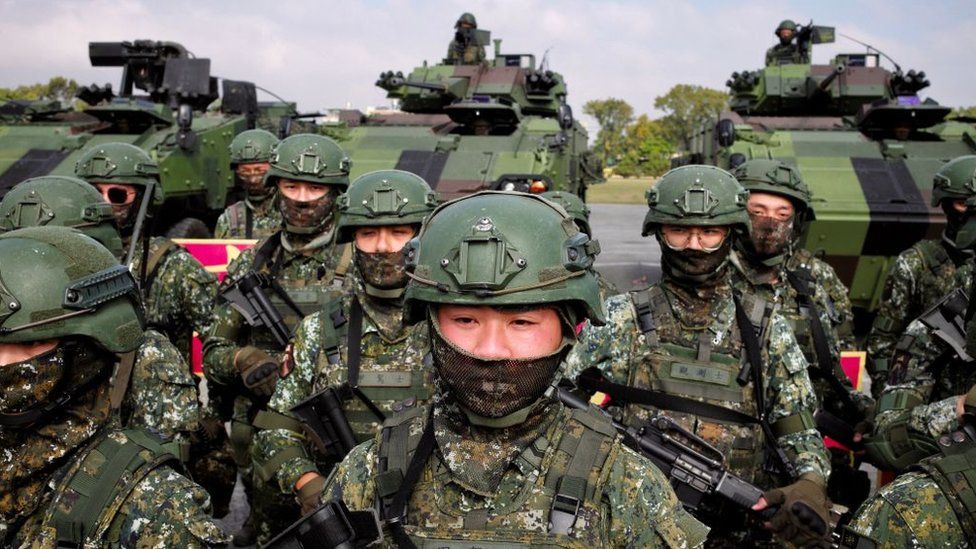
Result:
[
  {"x": 248, "y": 222},
  {"x": 266, "y": 250},
  {"x": 342, "y": 269},
  {"x": 397, "y": 477},
  {"x": 586, "y": 452},
  {"x": 934, "y": 253},
  {"x": 955, "y": 473},
  {"x": 232, "y": 217},
  {"x": 93, "y": 494},
  {"x": 155, "y": 259}
]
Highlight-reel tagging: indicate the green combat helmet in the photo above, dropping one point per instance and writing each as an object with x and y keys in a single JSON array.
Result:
[
  {"x": 697, "y": 195},
  {"x": 119, "y": 163},
  {"x": 61, "y": 201},
  {"x": 779, "y": 178},
  {"x": 56, "y": 282},
  {"x": 574, "y": 206},
  {"x": 310, "y": 158},
  {"x": 502, "y": 248},
  {"x": 252, "y": 146},
  {"x": 955, "y": 179},
  {"x": 785, "y": 24},
  {"x": 384, "y": 197},
  {"x": 467, "y": 19}
]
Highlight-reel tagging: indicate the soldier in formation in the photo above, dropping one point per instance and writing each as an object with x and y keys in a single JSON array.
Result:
[
  {"x": 295, "y": 268},
  {"x": 69, "y": 476},
  {"x": 358, "y": 344},
  {"x": 811, "y": 298},
  {"x": 723, "y": 363},
  {"x": 256, "y": 216},
  {"x": 501, "y": 280},
  {"x": 923, "y": 273}
]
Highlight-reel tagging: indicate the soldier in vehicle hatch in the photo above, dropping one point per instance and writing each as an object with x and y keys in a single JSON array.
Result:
[
  {"x": 496, "y": 454},
  {"x": 924, "y": 273},
  {"x": 69, "y": 477},
  {"x": 725, "y": 359},
  {"x": 788, "y": 50},
  {"x": 358, "y": 343},
  {"x": 464, "y": 49}
]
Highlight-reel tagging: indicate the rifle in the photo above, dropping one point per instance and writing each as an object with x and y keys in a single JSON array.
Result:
[
  {"x": 247, "y": 297},
  {"x": 332, "y": 525},
  {"x": 692, "y": 473},
  {"x": 326, "y": 423}
]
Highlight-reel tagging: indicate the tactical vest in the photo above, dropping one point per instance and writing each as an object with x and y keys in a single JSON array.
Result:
[
  {"x": 560, "y": 501},
  {"x": 955, "y": 473},
  {"x": 88, "y": 498},
  {"x": 385, "y": 385},
  {"x": 705, "y": 373},
  {"x": 302, "y": 296}
]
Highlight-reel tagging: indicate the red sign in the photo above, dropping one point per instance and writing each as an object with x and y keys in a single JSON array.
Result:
[{"x": 214, "y": 255}]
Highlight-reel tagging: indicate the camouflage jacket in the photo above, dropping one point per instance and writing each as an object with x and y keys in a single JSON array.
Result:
[
  {"x": 306, "y": 277},
  {"x": 467, "y": 55},
  {"x": 162, "y": 395},
  {"x": 165, "y": 509},
  {"x": 919, "y": 277},
  {"x": 265, "y": 220},
  {"x": 833, "y": 304},
  {"x": 926, "y": 378},
  {"x": 626, "y": 355},
  {"x": 779, "y": 54},
  {"x": 631, "y": 503},
  {"x": 391, "y": 369},
  {"x": 180, "y": 294}
]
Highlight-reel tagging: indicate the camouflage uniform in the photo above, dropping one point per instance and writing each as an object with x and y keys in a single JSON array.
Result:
[
  {"x": 786, "y": 51},
  {"x": 465, "y": 54},
  {"x": 265, "y": 220},
  {"x": 67, "y": 476},
  {"x": 499, "y": 471},
  {"x": 919, "y": 277},
  {"x": 632, "y": 505}
]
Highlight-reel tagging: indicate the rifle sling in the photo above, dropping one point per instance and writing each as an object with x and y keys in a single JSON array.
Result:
[
  {"x": 591, "y": 380},
  {"x": 248, "y": 221},
  {"x": 355, "y": 352},
  {"x": 398, "y": 507}
]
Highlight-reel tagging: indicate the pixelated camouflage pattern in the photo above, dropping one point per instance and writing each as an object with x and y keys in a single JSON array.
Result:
[
  {"x": 389, "y": 350},
  {"x": 911, "y": 511},
  {"x": 914, "y": 284},
  {"x": 466, "y": 55},
  {"x": 785, "y": 53},
  {"x": 265, "y": 222},
  {"x": 620, "y": 350},
  {"x": 165, "y": 509},
  {"x": 162, "y": 395},
  {"x": 832, "y": 302},
  {"x": 180, "y": 298},
  {"x": 923, "y": 372},
  {"x": 632, "y": 506}
]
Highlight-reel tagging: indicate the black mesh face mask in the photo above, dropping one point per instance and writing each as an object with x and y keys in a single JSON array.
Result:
[{"x": 492, "y": 388}]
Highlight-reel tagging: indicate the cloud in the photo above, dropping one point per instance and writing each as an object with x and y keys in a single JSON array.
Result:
[{"x": 329, "y": 54}]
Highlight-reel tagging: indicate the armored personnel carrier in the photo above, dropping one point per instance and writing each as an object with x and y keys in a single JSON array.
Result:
[
  {"x": 866, "y": 143},
  {"x": 500, "y": 124},
  {"x": 176, "y": 120}
]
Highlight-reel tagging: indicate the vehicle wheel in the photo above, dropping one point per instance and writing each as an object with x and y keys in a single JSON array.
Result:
[{"x": 189, "y": 227}]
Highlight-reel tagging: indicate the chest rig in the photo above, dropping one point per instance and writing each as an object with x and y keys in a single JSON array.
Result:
[
  {"x": 559, "y": 492},
  {"x": 954, "y": 471},
  {"x": 382, "y": 385}
]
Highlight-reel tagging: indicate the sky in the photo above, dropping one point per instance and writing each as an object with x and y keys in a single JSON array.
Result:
[{"x": 327, "y": 54}]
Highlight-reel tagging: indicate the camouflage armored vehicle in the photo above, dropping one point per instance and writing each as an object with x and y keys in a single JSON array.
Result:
[
  {"x": 177, "y": 120},
  {"x": 865, "y": 142},
  {"x": 500, "y": 124}
]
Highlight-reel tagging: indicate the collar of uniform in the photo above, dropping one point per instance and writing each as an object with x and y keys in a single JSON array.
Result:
[{"x": 757, "y": 274}]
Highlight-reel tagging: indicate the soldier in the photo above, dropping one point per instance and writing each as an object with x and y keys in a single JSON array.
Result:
[
  {"x": 934, "y": 505},
  {"x": 162, "y": 394},
  {"x": 501, "y": 280},
  {"x": 296, "y": 266},
  {"x": 811, "y": 298},
  {"x": 380, "y": 212},
  {"x": 725, "y": 365},
  {"x": 580, "y": 213},
  {"x": 256, "y": 216},
  {"x": 177, "y": 290},
  {"x": 787, "y": 51},
  {"x": 68, "y": 476},
  {"x": 922, "y": 274},
  {"x": 463, "y": 50}
]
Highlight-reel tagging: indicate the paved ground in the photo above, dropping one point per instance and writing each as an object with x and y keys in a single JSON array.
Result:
[{"x": 627, "y": 259}]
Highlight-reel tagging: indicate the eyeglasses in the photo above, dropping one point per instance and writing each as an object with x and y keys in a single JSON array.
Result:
[
  {"x": 680, "y": 238},
  {"x": 117, "y": 195}
]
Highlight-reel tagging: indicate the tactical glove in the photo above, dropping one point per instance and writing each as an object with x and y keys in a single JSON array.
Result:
[
  {"x": 258, "y": 370},
  {"x": 310, "y": 494},
  {"x": 803, "y": 514}
]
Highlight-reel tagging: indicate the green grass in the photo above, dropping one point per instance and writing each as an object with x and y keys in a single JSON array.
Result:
[{"x": 618, "y": 190}]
